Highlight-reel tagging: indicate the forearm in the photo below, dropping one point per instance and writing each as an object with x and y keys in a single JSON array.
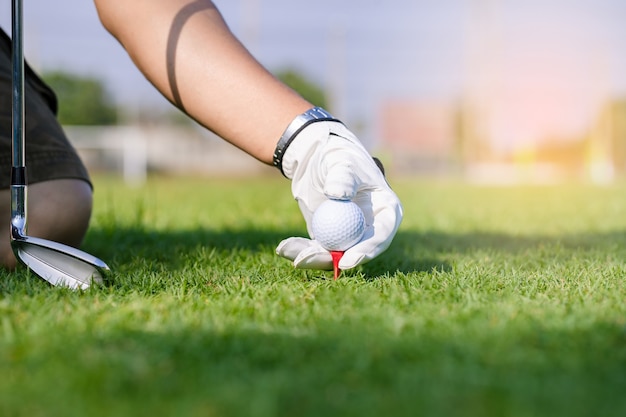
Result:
[{"x": 185, "y": 49}]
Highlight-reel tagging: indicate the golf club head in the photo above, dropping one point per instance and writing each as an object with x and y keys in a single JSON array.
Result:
[{"x": 59, "y": 264}]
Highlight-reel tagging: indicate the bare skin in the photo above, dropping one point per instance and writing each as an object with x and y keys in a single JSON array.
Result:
[
  {"x": 186, "y": 50},
  {"x": 58, "y": 210}
]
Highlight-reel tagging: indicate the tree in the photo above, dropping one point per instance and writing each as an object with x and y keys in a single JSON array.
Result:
[
  {"x": 307, "y": 89},
  {"x": 82, "y": 100}
]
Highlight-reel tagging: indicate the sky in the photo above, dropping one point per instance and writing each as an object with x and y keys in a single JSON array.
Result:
[{"x": 543, "y": 67}]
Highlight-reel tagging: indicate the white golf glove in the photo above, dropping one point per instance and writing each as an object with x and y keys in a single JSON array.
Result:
[{"x": 325, "y": 160}]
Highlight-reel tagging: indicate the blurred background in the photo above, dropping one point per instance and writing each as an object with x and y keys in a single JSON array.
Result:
[{"x": 490, "y": 91}]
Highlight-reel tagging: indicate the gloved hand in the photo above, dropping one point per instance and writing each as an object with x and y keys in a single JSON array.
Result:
[{"x": 325, "y": 160}]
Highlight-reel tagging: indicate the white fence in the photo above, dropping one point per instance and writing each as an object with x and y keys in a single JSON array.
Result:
[{"x": 136, "y": 150}]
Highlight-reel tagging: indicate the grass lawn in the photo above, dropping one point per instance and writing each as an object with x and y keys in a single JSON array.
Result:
[{"x": 490, "y": 302}]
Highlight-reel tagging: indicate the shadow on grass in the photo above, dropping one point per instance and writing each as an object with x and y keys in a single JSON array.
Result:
[
  {"x": 342, "y": 370},
  {"x": 410, "y": 251}
]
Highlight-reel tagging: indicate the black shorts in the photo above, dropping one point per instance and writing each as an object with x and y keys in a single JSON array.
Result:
[{"x": 49, "y": 154}]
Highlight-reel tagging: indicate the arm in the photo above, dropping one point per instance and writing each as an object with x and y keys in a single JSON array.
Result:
[{"x": 185, "y": 49}]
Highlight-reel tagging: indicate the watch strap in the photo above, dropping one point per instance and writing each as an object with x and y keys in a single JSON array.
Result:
[{"x": 316, "y": 114}]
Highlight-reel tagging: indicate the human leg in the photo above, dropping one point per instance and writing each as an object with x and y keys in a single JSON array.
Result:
[{"x": 58, "y": 210}]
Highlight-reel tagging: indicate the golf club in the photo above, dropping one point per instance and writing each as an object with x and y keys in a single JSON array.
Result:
[{"x": 56, "y": 263}]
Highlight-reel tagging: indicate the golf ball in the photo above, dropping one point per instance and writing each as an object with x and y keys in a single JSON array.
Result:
[{"x": 338, "y": 224}]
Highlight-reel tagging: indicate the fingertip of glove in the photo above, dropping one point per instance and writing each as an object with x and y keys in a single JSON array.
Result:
[
  {"x": 280, "y": 246},
  {"x": 313, "y": 259},
  {"x": 349, "y": 261},
  {"x": 292, "y": 246}
]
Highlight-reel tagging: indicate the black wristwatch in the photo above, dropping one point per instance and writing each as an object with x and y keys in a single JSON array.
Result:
[{"x": 316, "y": 114}]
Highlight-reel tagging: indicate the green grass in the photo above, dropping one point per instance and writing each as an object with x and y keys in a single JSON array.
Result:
[{"x": 490, "y": 302}]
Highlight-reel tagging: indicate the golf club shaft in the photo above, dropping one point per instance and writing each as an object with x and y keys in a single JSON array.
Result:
[
  {"x": 54, "y": 262},
  {"x": 18, "y": 171},
  {"x": 18, "y": 83}
]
